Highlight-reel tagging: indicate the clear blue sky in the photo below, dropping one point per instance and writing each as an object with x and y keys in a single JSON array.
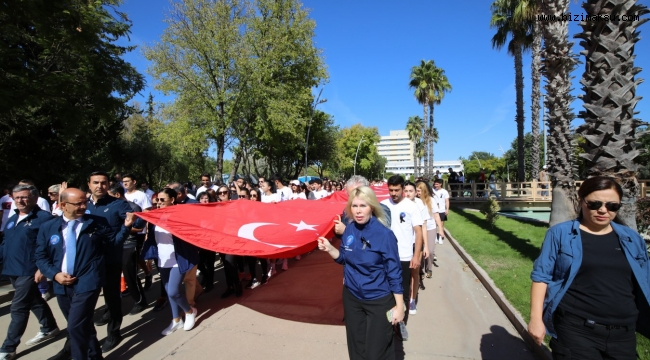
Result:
[{"x": 371, "y": 46}]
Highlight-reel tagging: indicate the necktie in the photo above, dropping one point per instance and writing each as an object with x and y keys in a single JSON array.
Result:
[{"x": 71, "y": 246}]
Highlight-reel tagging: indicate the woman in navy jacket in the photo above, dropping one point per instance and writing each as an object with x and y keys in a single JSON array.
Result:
[
  {"x": 175, "y": 258},
  {"x": 591, "y": 280},
  {"x": 372, "y": 295}
]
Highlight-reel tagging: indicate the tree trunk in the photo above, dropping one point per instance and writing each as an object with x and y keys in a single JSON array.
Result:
[
  {"x": 431, "y": 139},
  {"x": 519, "y": 86},
  {"x": 609, "y": 84},
  {"x": 235, "y": 164},
  {"x": 536, "y": 95},
  {"x": 425, "y": 137},
  {"x": 221, "y": 147},
  {"x": 558, "y": 63}
]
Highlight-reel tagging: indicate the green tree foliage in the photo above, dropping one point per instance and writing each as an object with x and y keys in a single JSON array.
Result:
[
  {"x": 369, "y": 163},
  {"x": 243, "y": 71},
  {"x": 65, "y": 88},
  {"x": 487, "y": 161}
]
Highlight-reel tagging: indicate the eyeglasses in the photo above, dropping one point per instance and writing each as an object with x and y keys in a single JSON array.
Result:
[
  {"x": 610, "y": 206},
  {"x": 77, "y": 204},
  {"x": 223, "y": 192},
  {"x": 253, "y": 196},
  {"x": 53, "y": 194},
  {"x": 18, "y": 198},
  {"x": 154, "y": 200}
]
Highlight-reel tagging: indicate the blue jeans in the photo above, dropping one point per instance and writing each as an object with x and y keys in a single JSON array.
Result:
[
  {"x": 26, "y": 298},
  {"x": 172, "y": 280}
]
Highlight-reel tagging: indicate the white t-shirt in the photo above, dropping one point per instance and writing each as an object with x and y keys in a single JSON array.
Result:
[
  {"x": 166, "y": 250},
  {"x": 139, "y": 198},
  {"x": 431, "y": 223},
  {"x": 149, "y": 193},
  {"x": 5, "y": 203},
  {"x": 42, "y": 203},
  {"x": 203, "y": 189},
  {"x": 404, "y": 216},
  {"x": 315, "y": 195},
  {"x": 424, "y": 212},
  {"x": 440, "y": 196},
  {"x": 284, "y": 193},
  {"x": 273, "y": 198},
  {"x": 300, "y": 195}
]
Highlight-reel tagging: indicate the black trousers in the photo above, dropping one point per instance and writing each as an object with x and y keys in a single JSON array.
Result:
[
  {"x": 206, "y": 267},
  {"x": 369, "y": 332},
  {"x": 78, "y": 309},
  {"x": 130, "y": 270},
  {"x": 579, "y": 340},
  {"x": 113, "y": 299},
  {"x": 406, "y": 285},
  {"x": 230, "y": 264},
  {"x": 252, "y": 267},
  {"x": 26, "y": 297}
]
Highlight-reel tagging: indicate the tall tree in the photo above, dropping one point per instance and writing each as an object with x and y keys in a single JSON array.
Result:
[
  {"x": 518, "y": 30},
  {"x": 415, "y": 128},
  {"x": 609, "y": 86},
  {"x": 527, "y": 11},
  {"x": 65, "y": 85},
  {"x": 430, "y": 84},
  {"x": 346, "y": 150},
  {"x": 198, "y": 58},
  {"x": 558, "y": 62},
  {"x": 422, "y": 80}
]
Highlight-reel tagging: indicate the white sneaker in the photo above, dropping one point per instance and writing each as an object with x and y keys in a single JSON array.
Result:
[
  {"x": 190, "y": 319},
  {"x": 285, "y": 265},
  {"x": 172, "y": 327},
  {"x": 412, "y": 308},
  {"x": 271, "y": 272},
  {"x": 7, "y": 356},
  {"x": 41, "y": 336},
  {"x": 47, "y": 296},
  {"x": 440, "y": 241}
]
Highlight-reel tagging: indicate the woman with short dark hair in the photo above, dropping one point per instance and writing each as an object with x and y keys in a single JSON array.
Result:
[{"x": 590, "y": 279}]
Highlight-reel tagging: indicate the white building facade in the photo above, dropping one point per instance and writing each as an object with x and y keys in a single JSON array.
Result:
[{"x": 398, "y": 150}]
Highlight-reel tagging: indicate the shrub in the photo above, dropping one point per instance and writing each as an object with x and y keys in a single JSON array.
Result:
[
  {"x": 490, "y": 209},
  {"x": 643, "y": 218}
]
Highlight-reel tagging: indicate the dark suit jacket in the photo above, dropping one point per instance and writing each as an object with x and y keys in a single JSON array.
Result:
[{"x": 89, "y": 263}]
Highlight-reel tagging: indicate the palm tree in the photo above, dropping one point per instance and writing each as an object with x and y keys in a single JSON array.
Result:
[
  {"x": 421, "y": 81},
  {"x": 609, "y": 83},
  {"x": 415, "y": 128},
  {"x": 503, "y": 19},
  {"x": 441, "y": 86},
  {"x": 527, "y": 10},
  {"x": 558, "y": 62}
]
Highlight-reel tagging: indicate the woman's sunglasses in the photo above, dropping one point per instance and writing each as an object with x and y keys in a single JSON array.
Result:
[
  {"x": 610, "y": 206},
  {"x": 223, "y": 192}
]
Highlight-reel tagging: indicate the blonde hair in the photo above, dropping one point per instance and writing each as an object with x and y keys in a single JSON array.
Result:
[
  {"x": 425, "y": 196},
  {"x": 366, "y": 194}
]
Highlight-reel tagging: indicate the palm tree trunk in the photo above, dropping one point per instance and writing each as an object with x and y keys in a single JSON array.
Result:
[
  {"x": 431, "y": 139},
  {"x": 609, "y": 83},
  {"x": 536, "y": 95},
  {"x": 519, "y": 85},
  {"x": 558, "y": 63},
  {"x": 427, "y": 171}
]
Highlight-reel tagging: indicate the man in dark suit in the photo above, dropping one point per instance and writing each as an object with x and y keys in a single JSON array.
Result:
[
  {"x": 69, "y": 250},
  {"x": 17, "y": 257}
]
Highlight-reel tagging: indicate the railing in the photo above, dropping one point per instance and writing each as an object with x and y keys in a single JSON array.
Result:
[{"x": 530, "y": 191}]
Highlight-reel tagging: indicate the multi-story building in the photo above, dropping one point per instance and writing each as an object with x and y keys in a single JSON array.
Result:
[{"x": 398, "y": 150}]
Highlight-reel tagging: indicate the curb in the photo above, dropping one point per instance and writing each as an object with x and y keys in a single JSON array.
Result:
[
  {"x": 7, "y": 297},
  {"x": 511, "y": 313}
]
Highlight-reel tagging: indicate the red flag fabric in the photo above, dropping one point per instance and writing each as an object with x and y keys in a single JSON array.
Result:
[{"x": 252, "y": 228}]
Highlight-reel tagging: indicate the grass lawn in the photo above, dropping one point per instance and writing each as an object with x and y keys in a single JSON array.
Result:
[{"x": 507, "y": 252}]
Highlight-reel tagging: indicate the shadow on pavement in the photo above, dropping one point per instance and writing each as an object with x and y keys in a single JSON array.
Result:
[
  {"x": 507, "y": 346},
  {"x": 518, "y": 244}
]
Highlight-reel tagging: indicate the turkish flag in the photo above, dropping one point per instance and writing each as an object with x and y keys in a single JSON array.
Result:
[{"x": 252, "y": 228}]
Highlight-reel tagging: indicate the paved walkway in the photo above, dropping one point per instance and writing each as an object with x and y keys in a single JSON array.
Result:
[{"x": 298, "y": 315}]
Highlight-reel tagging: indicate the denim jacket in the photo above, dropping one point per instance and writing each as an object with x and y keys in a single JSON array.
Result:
[{"x": 561, "y": 257}]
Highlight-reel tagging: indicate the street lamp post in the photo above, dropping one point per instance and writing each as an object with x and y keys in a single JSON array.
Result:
[
  {"x": 311, "y": 117},
  {"x": 357, "y": 154}
]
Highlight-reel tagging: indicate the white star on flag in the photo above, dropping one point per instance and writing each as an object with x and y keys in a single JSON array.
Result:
[{"x": 303, "y": 226}]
